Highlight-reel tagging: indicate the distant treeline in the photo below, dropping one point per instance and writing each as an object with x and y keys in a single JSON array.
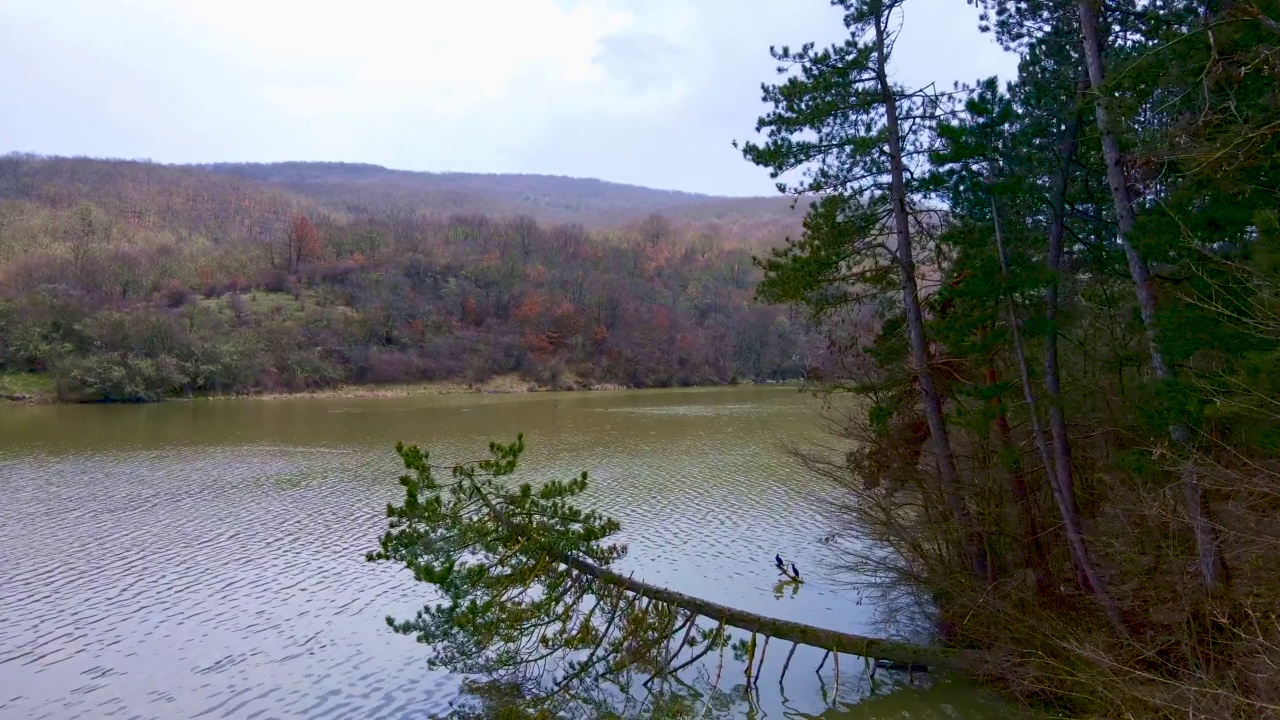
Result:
[{"x": 133, "y": 281}]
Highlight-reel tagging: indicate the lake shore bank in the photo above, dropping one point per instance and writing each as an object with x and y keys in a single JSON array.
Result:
[
  {"x": 502, "y": 385},
  {"x": 37, "y": 389},
  {"x": 27, "y": 388}
]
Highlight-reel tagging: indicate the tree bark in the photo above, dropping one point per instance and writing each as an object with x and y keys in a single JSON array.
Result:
[
  {"x": 972, "y": 540},
  {"x": 1213, "y": 568}
]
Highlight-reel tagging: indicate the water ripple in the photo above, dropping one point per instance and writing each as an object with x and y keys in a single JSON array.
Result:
[{"x": 210, "y": 564}]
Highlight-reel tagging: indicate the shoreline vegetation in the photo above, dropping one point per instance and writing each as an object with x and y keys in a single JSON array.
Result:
[
  {"x": 32, "y": 388},
  {"x": 36, "y": 389}
]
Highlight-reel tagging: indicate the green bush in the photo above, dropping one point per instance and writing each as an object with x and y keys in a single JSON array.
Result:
[{"x": 120, "y": 377}]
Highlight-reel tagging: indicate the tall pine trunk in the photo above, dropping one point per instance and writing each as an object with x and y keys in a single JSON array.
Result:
[
  {"x": 1063, "y": 471},
  {"x": 1033, "y": 553},
  {"x": 972, "y": 541},
  {"x": 1071, "y": 521},
  {"x": 1213, "y": 568},
  {"x": 1063, "y": 466}
]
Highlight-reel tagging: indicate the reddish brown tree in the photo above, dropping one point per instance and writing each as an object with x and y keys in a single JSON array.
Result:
[{"x": 304, "y": 242}]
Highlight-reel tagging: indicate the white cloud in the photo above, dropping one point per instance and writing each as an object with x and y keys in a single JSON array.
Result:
[
  {"x": 466, "y": 54},
  {"x": 646, "y": 91}
]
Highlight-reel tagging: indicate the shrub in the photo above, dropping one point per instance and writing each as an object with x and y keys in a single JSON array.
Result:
[
  {"x": 119, "y": 377},
  {"x": 273, "y": 280},
  {"x": 176, "y": 295}
]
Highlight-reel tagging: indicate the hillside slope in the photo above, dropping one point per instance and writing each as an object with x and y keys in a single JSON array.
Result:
[
  {"x": 125, "y": 280},
  {"x": 187, "y": 195}
]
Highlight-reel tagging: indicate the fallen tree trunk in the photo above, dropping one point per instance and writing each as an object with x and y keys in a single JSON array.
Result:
[
  {"x": 894, "y": 651},
  {"x": 797, "y": 632},
  {"x": 526, "y": 589}
]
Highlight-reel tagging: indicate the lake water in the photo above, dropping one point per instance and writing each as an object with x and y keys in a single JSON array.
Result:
[{"x": 205, "y": 559}]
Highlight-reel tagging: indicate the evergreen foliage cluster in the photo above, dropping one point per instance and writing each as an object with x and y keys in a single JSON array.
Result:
[{"x": 1055, "y": 301}]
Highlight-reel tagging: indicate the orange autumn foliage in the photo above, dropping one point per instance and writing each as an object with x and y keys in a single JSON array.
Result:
[
  {"x": 529, "y": 309},
  {"x": 304, "y": 241}
]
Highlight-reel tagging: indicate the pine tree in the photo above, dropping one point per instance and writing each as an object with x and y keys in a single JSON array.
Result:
[
  {"x": 862, "y": 141},
  {"x": 986, "y": 173}
]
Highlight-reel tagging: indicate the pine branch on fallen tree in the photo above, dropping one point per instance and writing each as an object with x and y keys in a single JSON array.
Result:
[{"x": 526, "y": 595}]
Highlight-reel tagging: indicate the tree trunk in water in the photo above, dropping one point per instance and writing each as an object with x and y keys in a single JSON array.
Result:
[
  {"x": 797, "y": 632},
  {"x": 1071, "y": 521},
  {"x": 1213, "y": 567},
  {"x": 972, "y": 540}
]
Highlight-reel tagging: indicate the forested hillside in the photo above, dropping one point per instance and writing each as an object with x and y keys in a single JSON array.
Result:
[{"x": 127, "y": 281}]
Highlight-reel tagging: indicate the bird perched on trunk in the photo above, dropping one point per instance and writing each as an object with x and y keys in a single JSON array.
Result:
[
  {"x": 794, "y": 572},
  {"x": 778, "y": 559}
]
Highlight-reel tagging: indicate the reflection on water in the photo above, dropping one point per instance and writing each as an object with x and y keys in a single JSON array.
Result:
[{"x": 205, "y": 559}]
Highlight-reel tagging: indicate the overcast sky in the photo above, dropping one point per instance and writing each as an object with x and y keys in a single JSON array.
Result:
[{"x": 649, "y": 92}]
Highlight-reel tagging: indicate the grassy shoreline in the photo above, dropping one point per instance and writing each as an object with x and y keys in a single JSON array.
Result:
[
  {"x": 39, "y": 389},
  {"x": 33, "y": 388},
  {"x": 502, "y": 385}
]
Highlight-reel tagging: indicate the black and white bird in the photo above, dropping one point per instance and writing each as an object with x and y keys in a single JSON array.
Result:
[
  {"x": 778, "y": 559},
  {"x": 794, "y": 572}
]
